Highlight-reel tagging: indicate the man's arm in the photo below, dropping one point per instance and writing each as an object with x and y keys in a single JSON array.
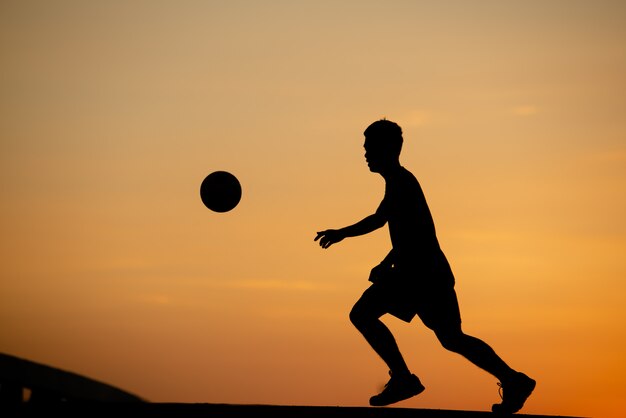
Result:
[
  {"x": 364, "y": 226},
  {"x": 389, "y": 260},
  {"x": 381, "y": 271}
]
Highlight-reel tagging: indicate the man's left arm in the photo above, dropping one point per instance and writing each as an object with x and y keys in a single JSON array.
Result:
[{"x": 384, "y": 267}]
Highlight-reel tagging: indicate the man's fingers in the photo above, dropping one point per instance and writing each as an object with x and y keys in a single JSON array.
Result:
[
  {"x": 325, "y": 238},
  {"x": 325, "y": 242}
]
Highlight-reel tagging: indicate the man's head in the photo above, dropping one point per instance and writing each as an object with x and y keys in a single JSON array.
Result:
[{"x": 383, "y": 143}]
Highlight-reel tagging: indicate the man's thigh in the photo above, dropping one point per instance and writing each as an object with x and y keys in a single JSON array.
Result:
[
  {"x": 385, "y": 298},
  {"x": 438, "y": 308}
]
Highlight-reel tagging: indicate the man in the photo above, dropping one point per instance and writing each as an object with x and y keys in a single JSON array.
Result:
[{"x": 413, "y": 279}]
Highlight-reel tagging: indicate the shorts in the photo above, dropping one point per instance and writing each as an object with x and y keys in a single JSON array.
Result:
[{"x": 434, "y": 300}]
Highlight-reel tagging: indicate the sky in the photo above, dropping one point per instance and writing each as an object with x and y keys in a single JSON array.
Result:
[{"x": 112, "y": 113}]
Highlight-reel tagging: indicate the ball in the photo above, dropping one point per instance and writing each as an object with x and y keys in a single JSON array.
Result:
[{"x": 220, "y": 191}]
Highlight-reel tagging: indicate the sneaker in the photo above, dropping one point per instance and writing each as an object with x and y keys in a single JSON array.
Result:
[
  {"x": 398, "y": 389},
  {"x": 514, "y": 393}
]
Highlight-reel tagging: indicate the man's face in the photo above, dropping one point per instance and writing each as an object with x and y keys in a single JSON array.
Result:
[{"x": 376, "y": 156}]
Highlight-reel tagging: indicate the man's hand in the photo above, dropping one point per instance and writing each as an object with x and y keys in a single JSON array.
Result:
[
  {"x": 380, "y": 272},
  {"x": 329, "y": 237}
]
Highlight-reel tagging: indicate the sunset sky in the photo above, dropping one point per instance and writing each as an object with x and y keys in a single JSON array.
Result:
[{"x": 113, "y": 112}]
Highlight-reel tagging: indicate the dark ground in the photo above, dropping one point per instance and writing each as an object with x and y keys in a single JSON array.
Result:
[
  {"x": 59, "y": 393},
  {"x": 171, "y": 410}
]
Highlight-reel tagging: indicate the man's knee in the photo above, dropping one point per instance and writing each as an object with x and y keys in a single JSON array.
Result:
[
  {"x": 357, "y": 317},
  {"x": 451, "y": 340},
  {"x": 361, "y": 318}
]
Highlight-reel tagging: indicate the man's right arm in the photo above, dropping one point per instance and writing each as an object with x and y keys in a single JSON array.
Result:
[{"x": 364, "y": 226}]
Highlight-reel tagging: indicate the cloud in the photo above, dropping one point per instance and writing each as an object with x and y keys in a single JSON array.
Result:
[
  {"x": 617, "y": 156},
  {"x": 418, "y": 117},
  {"x": 273, "y": 284},
  {"x": 156, "y": 299},
  {"x": 526, "y": 110}
]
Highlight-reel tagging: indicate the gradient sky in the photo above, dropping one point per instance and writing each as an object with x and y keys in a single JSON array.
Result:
[{"x": 112, "y": 113}]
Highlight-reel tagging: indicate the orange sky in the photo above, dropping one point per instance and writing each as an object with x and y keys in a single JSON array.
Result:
[{"x": 112, "y": 113}]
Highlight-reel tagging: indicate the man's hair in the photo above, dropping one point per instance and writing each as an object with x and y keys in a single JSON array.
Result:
[{"x": 387, "y": 134}]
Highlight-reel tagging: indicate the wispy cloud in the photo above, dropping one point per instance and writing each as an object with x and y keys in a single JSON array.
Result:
[
  {"x": 274, "y": 284},
  {"x": 525, "y": 110},
  {"x": 418, "y": 117},
  {"x": 615, "y": 156},
  {"x": 156, "y": 299}
]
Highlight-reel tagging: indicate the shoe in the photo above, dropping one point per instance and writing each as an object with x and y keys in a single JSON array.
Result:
[
  {"x": 514, "y": 393},
  {"x": 398, "y": 389}
]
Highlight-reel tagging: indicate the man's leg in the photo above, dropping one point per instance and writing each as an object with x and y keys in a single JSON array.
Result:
[
  {"x": 476, "y": 351},
  {"x": 517, "y": 386},
  {"x": 440, "y": 312},
  {"x": 365, "y": 316}
]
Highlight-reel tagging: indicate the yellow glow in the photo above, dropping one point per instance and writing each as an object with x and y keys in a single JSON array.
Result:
[{"x": 112, "y": 113}]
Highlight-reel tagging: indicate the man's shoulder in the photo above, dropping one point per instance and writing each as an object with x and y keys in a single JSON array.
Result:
[
  {"x": 403, "y": 186},
  {"x": 407, "y": 178}
]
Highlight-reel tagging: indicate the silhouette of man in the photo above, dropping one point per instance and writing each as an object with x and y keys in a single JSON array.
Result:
[{"x": 414, "y": 279}]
